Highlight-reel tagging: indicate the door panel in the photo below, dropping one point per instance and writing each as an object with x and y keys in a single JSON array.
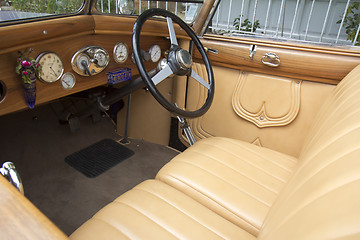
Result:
[
  {"x": 268, "y": 106},
  {"x": 290, "y": 103}
]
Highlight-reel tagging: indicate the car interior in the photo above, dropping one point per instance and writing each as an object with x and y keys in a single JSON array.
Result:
[{"x": 134, "y": 119}]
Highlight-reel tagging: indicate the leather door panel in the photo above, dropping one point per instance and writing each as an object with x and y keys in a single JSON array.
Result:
[{"x": 266, "y": 110}]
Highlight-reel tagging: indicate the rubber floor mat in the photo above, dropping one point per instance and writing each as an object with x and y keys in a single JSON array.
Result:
[{"x": 99, "y": 157}]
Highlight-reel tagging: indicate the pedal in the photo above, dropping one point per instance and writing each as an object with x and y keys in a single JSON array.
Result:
[{"x": 74, "y": 124}]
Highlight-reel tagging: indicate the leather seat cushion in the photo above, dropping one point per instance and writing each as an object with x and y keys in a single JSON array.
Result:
[
  {"x": 154, "y": 210},
  {"x": 237, "y": 180}
]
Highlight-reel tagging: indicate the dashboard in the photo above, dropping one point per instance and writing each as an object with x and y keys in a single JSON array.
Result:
[{"x": 77, "y": 61}]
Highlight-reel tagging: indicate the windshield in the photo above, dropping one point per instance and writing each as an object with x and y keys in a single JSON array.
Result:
[
  {"x": 186, "y": 10},
  {"x": 11, "y": 10}
]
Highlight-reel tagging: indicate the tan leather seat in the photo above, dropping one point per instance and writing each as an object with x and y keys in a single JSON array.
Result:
[
  {"x": 326, "y": 178},
  {"x": 225, "y": 175},
  {"x": 154, "y": 210},
  {"x": 316, "y": 198}
]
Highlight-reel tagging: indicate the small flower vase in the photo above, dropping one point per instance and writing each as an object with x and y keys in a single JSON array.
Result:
[{"x": 30, "y": 91}]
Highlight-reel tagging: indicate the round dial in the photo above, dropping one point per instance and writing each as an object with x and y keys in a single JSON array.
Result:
[
  {"x": 51, "y": 67},
  {"x": 83, "y": 58},
  {"x": 155, "y": 53},
  {"x": 101, "y": 58},
  {"x": 68, "y": 80},
  {"x": 121, "y": 52}
]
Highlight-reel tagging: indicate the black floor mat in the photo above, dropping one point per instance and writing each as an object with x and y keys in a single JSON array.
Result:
[{"x": 98, "y": 158}]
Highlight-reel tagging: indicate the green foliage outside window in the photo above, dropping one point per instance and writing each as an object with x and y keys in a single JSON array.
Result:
[
  {"x": 246, "y": 25},
  {"x": 47, "y": 6},
  {"x": 351, "y": 22}
]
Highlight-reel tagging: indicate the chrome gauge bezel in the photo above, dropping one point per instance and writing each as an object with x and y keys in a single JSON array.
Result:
[
  {"x": 90, "y": 53},
  {"x": 38, "y": 60},
  {"x": 68, "y": 87},
  {"x": 116, "y": 59}
]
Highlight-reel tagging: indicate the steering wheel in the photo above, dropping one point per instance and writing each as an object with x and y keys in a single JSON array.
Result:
[{"x": 178, "y": 62}]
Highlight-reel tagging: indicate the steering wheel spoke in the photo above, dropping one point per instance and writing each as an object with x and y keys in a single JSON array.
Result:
[
  {"x": 199, "y": 79},
  {"x": 162, "y": 74},
  {"x": 172, "y": 34}
]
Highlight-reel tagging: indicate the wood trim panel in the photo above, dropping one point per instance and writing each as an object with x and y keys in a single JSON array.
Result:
[
  {"x": 14, "y": 99},
  {"x": 15, "y": 37},
  {"x": 20, "y": 219},
  {"x": 307, "y": 47},
  {"x": 312, "y": 66}
]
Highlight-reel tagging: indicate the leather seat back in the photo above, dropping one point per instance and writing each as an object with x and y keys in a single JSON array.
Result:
[{"x": 322, "y": 198}]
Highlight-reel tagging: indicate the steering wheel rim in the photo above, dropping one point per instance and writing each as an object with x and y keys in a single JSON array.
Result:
[{"x": 149, "y": 82}]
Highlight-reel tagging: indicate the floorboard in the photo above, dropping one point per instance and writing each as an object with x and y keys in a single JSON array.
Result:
[{"x": 37, "y": 143}]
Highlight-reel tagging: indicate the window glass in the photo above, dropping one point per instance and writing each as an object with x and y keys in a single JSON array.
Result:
[
  {"x": 22, "y": 9},
  {"x": 331, "y": 22},
  {"x": 185, "y": 10}
]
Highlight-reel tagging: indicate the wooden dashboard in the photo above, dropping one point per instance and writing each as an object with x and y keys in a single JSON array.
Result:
[{"x": 65, "y": 36}]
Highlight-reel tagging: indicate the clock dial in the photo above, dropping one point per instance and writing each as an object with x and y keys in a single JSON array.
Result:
[
  {"x": 51, "y": 67},
  {"x": 120, "y": 52}
]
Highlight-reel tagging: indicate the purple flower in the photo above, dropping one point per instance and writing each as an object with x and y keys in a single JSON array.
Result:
[{"x": 25, "y": 63}]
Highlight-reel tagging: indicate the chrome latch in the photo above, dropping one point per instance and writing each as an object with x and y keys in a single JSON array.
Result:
[{"x": 252, "y": 51}]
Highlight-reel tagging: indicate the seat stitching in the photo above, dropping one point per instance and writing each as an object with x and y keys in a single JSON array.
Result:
[
  {"x": 338, "y": 107},
  {"x": 245, "y": 160},
  {"x": 227, "y": 182},
  {"x": 320, "y": 131},
  {"x": 321, "y": 169},
  {"x": 146, "y": 216},
  {"x": 169, "y": 203},
  {"x": 312, "y": 201},
  {"x": 112, "y": 226},
  {"x": 248, "y": 177},
  {"x": 324, "y": 146},
  {"x": 257, "y": 154},
  {"x": 279, "y": 154},
  {"x": 260, "y": 156},
  {"x": 334, "y": 126},
  {"x": 213, "y": 200}
]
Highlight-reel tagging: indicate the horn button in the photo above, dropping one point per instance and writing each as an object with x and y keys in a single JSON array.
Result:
[
  {"x": 183, "y": 58},
  {"x": 180, "y": 61}
]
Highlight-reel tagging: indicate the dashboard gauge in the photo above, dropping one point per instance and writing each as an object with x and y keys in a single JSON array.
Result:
[
  {"x": 155, "y": 53},
  {"x": 90, "y": 60},
  {"x": 120, "y": 52},
  {"x": 51, "y": 67},
  {"x": 101, "y": 58},
  {"x": 68, "y": 80},
  {"x": 83, "y": 58}
]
